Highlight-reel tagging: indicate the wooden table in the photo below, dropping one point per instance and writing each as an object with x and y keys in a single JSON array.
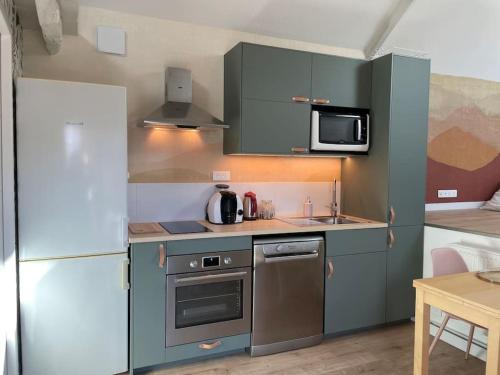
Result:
[{"x": 465, "y": 296}]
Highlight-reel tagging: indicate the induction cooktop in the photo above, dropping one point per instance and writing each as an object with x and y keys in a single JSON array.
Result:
[{"x": 180, "y": 227}]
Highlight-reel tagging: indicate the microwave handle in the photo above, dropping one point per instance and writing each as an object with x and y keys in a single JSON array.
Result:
[{"x": 359, "y": 129}]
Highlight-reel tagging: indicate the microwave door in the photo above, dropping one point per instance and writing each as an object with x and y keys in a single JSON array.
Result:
[{"x": 338, "y": 132}]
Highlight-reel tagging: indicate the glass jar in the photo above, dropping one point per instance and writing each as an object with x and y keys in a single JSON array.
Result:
[{"x": 266, "y": 210}]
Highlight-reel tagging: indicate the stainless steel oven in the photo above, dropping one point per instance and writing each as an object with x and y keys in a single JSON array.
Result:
[
  {"x": 208, "y": 296},
  {"x": 337, "y": 129}
]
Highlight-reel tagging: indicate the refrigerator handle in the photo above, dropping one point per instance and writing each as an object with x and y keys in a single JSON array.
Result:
[
  {"x": 125, "y": 221},
  {"x": 125, "y": 279}
]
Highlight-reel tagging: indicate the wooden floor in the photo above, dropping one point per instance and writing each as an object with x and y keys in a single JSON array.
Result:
[{"x": 387, "y": 351}]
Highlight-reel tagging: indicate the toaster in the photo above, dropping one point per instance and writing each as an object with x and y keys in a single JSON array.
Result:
[{"x": 225, "y": 207}]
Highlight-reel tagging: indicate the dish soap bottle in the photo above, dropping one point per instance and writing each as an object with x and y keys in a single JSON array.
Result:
[{"x": 308, "y": 207}]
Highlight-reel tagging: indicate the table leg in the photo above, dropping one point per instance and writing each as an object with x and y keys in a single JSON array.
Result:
[
  {"x": 422, "y": 321},
  {"x": 493, "y": 354}
]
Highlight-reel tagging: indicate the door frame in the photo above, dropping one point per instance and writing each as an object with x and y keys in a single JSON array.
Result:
[{"x": 8, "y": 253}]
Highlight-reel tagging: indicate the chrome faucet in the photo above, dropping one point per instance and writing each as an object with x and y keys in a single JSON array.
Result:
[{"x": 333, "y": 205}]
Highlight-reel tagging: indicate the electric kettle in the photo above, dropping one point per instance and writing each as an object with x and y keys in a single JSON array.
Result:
[{"x": 250, "y": 206}]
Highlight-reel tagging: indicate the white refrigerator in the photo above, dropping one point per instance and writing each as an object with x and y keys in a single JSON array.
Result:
[{"x": 72, "y": 223}]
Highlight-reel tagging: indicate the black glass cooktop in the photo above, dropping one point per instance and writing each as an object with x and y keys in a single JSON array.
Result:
[{"x": 179, "y": 227}]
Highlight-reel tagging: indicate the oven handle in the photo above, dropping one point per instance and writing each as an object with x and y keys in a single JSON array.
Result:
[
  {"x": 348, "y": 116},
  {"x": 359, "y": 129},
  {"x": 210, "y": 277}
]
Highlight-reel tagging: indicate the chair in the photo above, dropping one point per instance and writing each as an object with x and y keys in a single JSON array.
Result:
[{"x": 446, "y": 261}]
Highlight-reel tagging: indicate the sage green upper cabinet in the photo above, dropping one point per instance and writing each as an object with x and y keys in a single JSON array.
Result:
[
  {"x": 341, "y": 81},
  {"x": 408, "y": 140},
  {"x": 266, "y": 95},
  {"x": 275, "y": 127},
  {"x": 275, "y": 74},
  {"x": 389, "y": 184}
]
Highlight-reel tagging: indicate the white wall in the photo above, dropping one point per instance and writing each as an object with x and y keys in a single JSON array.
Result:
[{"x": 461, "y": 36}]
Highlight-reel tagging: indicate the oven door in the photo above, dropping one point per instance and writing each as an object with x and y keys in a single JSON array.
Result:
[
  {"x": 207, "y": 305},
  {"x": 332, "y": 131}
]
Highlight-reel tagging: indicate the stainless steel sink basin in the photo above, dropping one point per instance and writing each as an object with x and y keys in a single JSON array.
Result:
[
  {"x": 318, "y": 220},
  {"x": 334, "y": 220}
]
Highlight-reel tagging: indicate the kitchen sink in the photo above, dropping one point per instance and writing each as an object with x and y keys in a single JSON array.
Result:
[
  {"x": 318, "y": 220},
  {"x": 334, "y": 220}
]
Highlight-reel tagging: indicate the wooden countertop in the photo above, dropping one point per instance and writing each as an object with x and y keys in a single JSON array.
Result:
[
  {"x": 248, "y": 228},
  {"x": 476, "y": 221}
]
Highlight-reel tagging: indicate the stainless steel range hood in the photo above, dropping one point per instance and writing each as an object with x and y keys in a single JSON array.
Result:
[{"x": 179, "y": 112}]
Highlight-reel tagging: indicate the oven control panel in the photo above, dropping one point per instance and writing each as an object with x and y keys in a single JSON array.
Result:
[
  {"x": 208, "y": 261},
  {"x": 213, "y": 261}
]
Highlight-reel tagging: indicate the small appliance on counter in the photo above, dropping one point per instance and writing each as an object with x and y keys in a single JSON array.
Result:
[
  {"x": 250, "y": 206},
  {"x": 224, "y": 207}
]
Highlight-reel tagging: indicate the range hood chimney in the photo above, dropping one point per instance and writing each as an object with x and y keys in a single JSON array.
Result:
[{"x": 179, "y": 112}]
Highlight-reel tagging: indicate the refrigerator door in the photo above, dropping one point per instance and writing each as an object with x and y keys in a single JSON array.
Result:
[
  {"x": 74, "y": 316},
  {"x": 72, "y": 168}
]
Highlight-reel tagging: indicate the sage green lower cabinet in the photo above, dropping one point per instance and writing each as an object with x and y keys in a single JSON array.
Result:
[
  {"x": 148, "y": 302},
  {"x": 355, "y": 241},
  {"x": 148, "y": 281},
  {"x": 208, "y": 347},
  {"x": 355, "y": 292},
  {"x": 207, "y": 245},
  {"x": 404, "y": 264},
  {"x": 275, "y": 127}
]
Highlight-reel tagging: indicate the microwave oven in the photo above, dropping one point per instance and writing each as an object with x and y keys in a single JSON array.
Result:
[{"x": 338, "y": 129}]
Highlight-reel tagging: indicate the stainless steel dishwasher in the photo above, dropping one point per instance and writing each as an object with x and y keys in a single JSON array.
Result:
[{"x": 288, "y": 285}]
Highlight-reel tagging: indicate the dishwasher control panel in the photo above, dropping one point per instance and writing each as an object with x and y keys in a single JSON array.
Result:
[{"x": 290, "y": 245}]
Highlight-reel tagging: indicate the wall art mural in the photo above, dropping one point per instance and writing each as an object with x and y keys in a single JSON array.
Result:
[{"x": 464, "y": 138}]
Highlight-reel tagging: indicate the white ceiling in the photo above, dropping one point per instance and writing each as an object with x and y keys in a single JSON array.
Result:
[
  {"x": 341, "y": 23},
  {"x": 460, "y": 36}
]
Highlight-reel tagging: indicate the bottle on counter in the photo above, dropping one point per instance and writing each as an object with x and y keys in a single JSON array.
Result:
[{"x": 308, "y": 207}]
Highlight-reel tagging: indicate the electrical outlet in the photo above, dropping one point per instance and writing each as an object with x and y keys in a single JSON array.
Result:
[
  {"x": 221, "y": 175},
  {"x": 448, "y": 193}
]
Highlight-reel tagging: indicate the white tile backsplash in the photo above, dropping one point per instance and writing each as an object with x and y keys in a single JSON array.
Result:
[{"x": 187, "y": 201}]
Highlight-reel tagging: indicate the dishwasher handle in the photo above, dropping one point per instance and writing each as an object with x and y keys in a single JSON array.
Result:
[{"x": 289, "y": 258}]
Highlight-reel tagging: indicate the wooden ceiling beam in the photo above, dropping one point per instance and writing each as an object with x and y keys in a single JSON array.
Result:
[
  {"x": 385, "y": 29},
  {"x": 49, "y": 17}
]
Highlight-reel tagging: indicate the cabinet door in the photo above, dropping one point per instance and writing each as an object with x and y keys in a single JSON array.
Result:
[
  {"x": 274, "y": 127},
  {"x": 404, "y": 264},
  {"x": 408, "y": 139},
  {"x": 74, "y": 316},
  {"x": 148, "y": 304},
  {"x": 355, "y": 292},
  {"x": 275, "y": 73},
  {"x": 344, "y": 82}
]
